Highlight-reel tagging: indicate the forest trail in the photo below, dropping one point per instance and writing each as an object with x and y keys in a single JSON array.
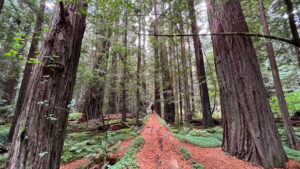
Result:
[{"x": 161, "y": 151}]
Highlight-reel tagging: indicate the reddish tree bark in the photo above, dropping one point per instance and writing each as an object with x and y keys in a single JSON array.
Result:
[
  {"x": 28, "y": 66},
  {"x": 205, "y": 103},
  {"x": 41, "y": 127},
  {"x": 292, "y": 141},
  {"x": 249, "y": 125}
]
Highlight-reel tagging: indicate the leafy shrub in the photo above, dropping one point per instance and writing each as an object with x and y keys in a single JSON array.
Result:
[
  {"x": 129, "y": 158},
  {"x": 292, "y": 100},
  {"x": 185, "y": 154},
  {"x": 199, "y": 141},
  {"x": 74, "y": 116},
  {"x": 197, "y": 132}
]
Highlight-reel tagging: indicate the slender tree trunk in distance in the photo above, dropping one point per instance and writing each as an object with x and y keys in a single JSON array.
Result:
[
  {"x": 28, "y": 66},
  {"x": 169, "y": 107},
  {"x": 179, "y": 85},
  {"x": 205, "y": 103},
  {"x": 191, "y": 78},
  {"x": 293, "y": 26},
  {"x": 41, "y": 127},
  {"x": 248, "y": 123},
  {"x": 138, "y": 72},
  {"x": 113, "y": 83},
  {"x": 157, "y": 101},
  {"x": 292, "y": 141},
  {"x": 124, "y": 78},
  {"x": 187, "y": 105},
  {"x": 92, "y": 108},
  {"x": 1, "y": 5},
  {"x": 175, "y": 81}
]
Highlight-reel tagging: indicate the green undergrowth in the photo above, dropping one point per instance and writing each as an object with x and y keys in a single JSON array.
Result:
[
  {"x": 292, "y": 154},
  {"x": 186, "y": 155},
  {"x": 74, "y": 116},
  {"x": 199, "y": 137},
  {"x": 129, "y": 158},
  {"x": 82, "y": 144},
  {"x": 4, "y": 130},
  {"x": 3, "y": 158}
]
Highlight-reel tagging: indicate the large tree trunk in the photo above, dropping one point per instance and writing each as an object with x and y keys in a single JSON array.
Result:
[
  {"x": 40, "y": 131},
  {"x": 169, "y": 107},
  {"x": 187, "y": 105},
  {"x": 94, "y": 98},
  {"x": 205, "y": 103},
  {"x": 292, "y": 141},
  {"x": 28, "y": 66},
  {"x": 249, "y": 125},
  {"x": 293, "y": 27},
  {"x": 1, "y": 5}
]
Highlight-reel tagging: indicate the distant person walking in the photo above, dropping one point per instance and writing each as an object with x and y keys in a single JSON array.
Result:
[{"x": 152, "y": 108}]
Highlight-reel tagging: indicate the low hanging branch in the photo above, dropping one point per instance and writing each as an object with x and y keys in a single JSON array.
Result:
[{"x": 290, "y": 41}]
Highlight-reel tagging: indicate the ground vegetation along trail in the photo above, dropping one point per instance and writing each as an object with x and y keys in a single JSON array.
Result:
[{"x": 161, "y": 150}]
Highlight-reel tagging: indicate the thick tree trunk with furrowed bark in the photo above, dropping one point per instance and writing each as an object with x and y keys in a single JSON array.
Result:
[
  {"x": 40, "y": 131},
  {"x": 205, "y": 103},
  {"x": 249, "y": 125},
  {"x": 28, "y": 66},
  {"x": 292, "y": 141}
]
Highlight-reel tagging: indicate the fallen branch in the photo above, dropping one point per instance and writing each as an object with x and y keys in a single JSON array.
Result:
[{"x": 290, "y": 41}]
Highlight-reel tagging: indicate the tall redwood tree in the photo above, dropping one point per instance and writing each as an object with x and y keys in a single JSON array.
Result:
[
  {"x": 28, "y": 66},
  {"x": 250, "y": 132},
  {"x": 292, "y": 141},
  {"x": 40, "y": 131},
  {"x": 205, "y": 103}
]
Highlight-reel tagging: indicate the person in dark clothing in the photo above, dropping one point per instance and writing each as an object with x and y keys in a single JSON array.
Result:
[{"x": 152, "y": 108}]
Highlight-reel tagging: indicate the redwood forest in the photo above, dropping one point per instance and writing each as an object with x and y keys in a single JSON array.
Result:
[{"x": 150, "y": 84}]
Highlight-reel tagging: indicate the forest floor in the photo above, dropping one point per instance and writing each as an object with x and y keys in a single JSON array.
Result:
[{"x": 162, "y": 150}]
